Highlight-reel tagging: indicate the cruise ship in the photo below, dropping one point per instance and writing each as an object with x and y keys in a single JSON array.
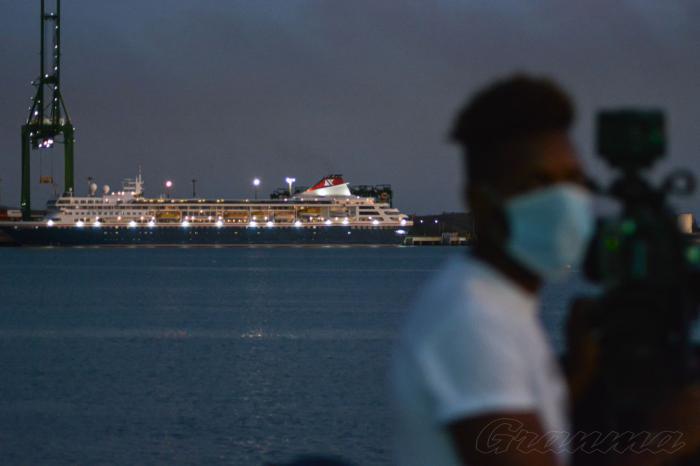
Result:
[{"x": 326, "y": 213}]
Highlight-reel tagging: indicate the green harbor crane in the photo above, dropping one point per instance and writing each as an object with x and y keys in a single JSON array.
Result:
[{"x": 48, "y": 122}]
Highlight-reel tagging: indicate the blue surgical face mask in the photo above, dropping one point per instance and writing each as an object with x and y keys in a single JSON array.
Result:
[{"x": 550, "y": 228}]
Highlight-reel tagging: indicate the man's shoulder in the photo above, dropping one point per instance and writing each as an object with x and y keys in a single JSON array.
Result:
[{"x": 464, "y": 292}]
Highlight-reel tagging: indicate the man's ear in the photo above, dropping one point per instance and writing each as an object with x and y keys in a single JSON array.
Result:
[
  {"x": 467, "y": 197},
  {"x": 487, "y": 207},
  {"x": 480, "y": 198}
]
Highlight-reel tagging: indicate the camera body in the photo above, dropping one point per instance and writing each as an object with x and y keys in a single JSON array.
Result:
[
  {"x": 631, "y": 139},
  {"x": 643, "y": 318}
]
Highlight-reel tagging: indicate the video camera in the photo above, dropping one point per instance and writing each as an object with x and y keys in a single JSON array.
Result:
[{"x": 648, "y": 273}]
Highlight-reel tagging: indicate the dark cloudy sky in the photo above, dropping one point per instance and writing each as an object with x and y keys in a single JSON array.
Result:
[{"x": 227, "y": 90}]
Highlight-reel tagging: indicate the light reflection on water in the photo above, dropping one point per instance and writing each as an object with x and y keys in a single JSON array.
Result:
[{"x": 229, "y": 356}]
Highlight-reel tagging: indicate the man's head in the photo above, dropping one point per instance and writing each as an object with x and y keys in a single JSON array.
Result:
[
  {"x": 522, "y": 172},
  {"x": 514, "y": 136}
]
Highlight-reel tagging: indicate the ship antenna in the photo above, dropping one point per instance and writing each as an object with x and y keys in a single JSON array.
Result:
[{"x": 138, "y": 188}]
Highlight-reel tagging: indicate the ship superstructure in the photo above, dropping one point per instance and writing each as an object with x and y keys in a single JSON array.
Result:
[{"x": 325, "y": 213}]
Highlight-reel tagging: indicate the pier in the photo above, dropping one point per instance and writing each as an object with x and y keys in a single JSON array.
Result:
[
  {"x": 446, "y": 239},
  {"x": 445, "y": 229}
]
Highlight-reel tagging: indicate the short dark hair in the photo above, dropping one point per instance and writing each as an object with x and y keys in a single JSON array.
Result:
[{"x": 507, "y": 114}]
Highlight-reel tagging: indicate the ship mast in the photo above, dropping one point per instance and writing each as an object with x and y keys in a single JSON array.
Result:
[{"x": 48, "y": 119}]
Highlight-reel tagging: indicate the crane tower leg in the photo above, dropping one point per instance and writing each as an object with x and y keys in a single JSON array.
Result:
[
  {"x": 69, "y": 142},
  {"x": 25, "y": 203}
]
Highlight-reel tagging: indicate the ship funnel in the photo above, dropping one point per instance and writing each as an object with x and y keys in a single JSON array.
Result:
[{"x": 331, "y": 185}]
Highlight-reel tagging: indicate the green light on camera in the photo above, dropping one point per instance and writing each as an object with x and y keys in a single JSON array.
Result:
[
  {"x": 611, "y": 243},
  {"x": 628, "y": 227},
  {"x": 693, "y": 254}
]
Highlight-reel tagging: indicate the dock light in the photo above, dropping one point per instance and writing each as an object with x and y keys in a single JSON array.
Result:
[
  {"x": 253, "y": 224},
  {"x": 219, "y": 223},
  {"x": 346, "y": 221},
  {"x": 132, "y": 224},
  {"x": 297, "y": 223},
  {"x": 290, "y": 182},
  {"x": 185, "y": 224},
  {"x": 375, "y": 222},
  {"x": 400, "y": 232},
  {"x": 327, "y": 222},
  {"x": 49, "y": 223},
  {"x": 97, "y": 224},
  {"x": 256, "y": 185},
  {"x": 80, "y": 224},
  {"x": 151, "y": 223},
  {"x": 270, "y": 224}
]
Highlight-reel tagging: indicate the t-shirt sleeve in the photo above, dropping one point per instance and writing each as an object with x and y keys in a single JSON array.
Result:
[{"x": 473, "y": 366}]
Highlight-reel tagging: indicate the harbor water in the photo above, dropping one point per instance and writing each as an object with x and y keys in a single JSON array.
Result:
[{"x": 235, "y": 356}]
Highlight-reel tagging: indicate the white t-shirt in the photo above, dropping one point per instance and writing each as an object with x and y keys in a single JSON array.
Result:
[{"x": 473, "y": 345}]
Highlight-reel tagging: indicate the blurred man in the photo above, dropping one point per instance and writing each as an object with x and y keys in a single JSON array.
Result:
[{"x": 475, "y": 378}]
